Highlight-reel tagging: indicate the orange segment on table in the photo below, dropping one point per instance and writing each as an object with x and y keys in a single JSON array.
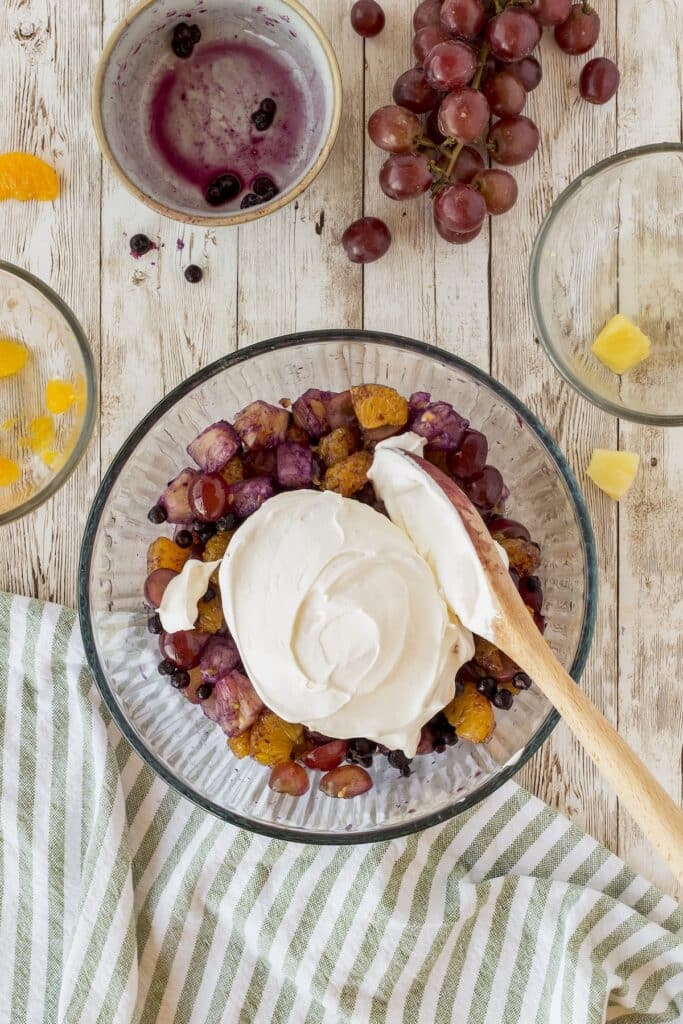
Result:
[
  {"x": 13, "y": 357},
  {"x": 24, "y": 176},
  {"x": 9, "y": 472}
]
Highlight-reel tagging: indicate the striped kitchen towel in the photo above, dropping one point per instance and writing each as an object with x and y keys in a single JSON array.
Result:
[{"x": 122, "y": 902}]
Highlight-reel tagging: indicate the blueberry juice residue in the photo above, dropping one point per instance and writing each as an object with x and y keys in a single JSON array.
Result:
[{"x": 233, "y": 120}]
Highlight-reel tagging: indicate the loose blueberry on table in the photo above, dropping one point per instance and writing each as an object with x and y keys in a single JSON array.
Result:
[{"x": 322, "y": 440}]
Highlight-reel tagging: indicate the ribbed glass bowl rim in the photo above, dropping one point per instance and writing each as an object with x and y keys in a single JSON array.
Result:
[
  {"x": 540, "y": 265},
  {"x": 88, "y": 424},
  {"x": 254, "y": 351}
]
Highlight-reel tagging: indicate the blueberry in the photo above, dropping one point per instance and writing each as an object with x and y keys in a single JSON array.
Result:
[
  {"x": 251, "y": 199},
  {"x": 157, "y": 515},
  {"x": 140, "y": 244},
  {"x": 264, "y": 187},
  {"x": 521, "y": 680},
  {"x": 268, "y": 105},
  {"x": 166, "y": 667},
  {"x": 487, "y": 686},
  {"x": 263, "y": 117},
  {"x": 226, "y": 523},
  {"x": 154, "y": 625},
  {"x": 222, "y": 189},
  {"x": 209, "y": 595},
  {"x": 204, "y": 691},
  {"x": 503, "y": 699},
  {"x": 397, "y": 759},
  {"x": 180, "y": 679},
  {"x": 459, "y": 687},
  {"x": 184, "y": 539},
  {"x": 185, "y": 38},
  {"x": 193, "y": 273}
]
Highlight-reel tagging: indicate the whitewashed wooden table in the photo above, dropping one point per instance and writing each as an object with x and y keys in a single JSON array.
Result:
[{"x": 149, "y": 329}]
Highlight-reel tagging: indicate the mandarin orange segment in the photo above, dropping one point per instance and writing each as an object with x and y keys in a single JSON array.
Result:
[
  {"x": 338, "y": 445},
  {"x": 41, "y": 435},
  {"x": 9, "y": 472},
  {"x": 164, "y": 553},
  {"x": 471, "y": 715},
  {"x": 216, "y": 546},
  {"x": 60, "y": 395},
  {"x": 378, "y": 406},
  {"x": 273, "y": 740},
  {"x": 210, "y": 616},
  {"x": 241, "y": 745},
  {"x": 13, "y": 357},
  {"x": 24, "y": 176}
]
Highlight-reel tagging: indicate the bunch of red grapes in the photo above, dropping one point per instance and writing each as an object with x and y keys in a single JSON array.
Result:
[{"x": 474, "y": 69}]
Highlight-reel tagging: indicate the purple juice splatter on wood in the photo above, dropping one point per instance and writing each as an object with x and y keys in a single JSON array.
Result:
[{"x": 201, "y": 115}]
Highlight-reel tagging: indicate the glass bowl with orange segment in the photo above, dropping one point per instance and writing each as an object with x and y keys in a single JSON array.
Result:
[{"x": 48, "y": 392}]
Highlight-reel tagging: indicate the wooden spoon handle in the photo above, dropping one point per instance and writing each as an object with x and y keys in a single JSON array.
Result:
[{"x": 660, "y": 818}]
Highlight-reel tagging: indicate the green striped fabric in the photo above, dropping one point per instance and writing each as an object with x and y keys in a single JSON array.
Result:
[{"x": 121, "y": 902}]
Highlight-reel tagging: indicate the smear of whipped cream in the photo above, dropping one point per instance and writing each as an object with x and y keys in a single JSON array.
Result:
[{"x": 180, "y": 604}]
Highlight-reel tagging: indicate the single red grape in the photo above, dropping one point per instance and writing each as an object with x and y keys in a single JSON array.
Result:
[
  {"x": 394, "y": 129},
  {"x": 464, "y": 18},
  {"x": 425, "y": 39},
  {"x": 505, "y": 94},
  {"x": 412, "y": 91},
  {"x": 464, "y": 114},
  {"x": 579, "y": 33},
  {"x": 450, "y": 65},
  {"x": 550, "y": 12},
  {"x": 469, "y": 163},
  {"x": 486, "y": 488},
  {"x": 367, "y": 18},
  {"x": 510, "y": 528},
  {"x": 405, "y": 175},
  {"x": 599, "y": 80},
  {"x": 457, "y": 237},
  {"x": 528, "y": 72},
  {"x": 471, "y": 457},
  {"x": 512, "y": 140},
  {"x": 184, "y": 648},
  {"x": 427, "y": 13},
  {"x": 155, "y": 586},
  {"x": 498, "y": 188},
  {"x": 366, "y": 240},
  {"x": 458, "y": 210},
  {"x": 209, "y": 497},
  {"x": 512, "y": 34}
]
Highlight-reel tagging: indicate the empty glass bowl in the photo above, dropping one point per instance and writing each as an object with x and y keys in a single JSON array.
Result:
[
  {"x": 45, "y": 446},
  {"x": 613, "y": 243},
  {"x": 174, "y": 736}
]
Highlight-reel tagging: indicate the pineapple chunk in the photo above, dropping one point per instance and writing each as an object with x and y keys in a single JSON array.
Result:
[
  {"x": 620, "y": 345},
  {"x": 613, "y": 472}
]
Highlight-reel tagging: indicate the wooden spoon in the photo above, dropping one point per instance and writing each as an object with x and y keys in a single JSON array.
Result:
[{"x": 514, "y": 632}]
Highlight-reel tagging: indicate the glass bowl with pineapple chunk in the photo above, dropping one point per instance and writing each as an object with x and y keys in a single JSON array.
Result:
[
  {"x": 605, "y": 284},
  {"x": 48, "y": 392},
  {"x": 185, "y": 735}
]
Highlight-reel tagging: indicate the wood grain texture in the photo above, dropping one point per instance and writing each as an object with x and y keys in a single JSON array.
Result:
[{"x": 288, "y": 272}]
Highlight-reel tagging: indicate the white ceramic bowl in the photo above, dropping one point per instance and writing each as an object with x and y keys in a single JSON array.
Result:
[{"x": 137, "y": 55}]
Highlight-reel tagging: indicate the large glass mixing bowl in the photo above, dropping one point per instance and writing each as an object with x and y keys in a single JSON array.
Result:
[{"x": 174, "y": 737}]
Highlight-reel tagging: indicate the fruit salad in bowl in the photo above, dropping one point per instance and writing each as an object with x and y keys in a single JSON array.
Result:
[{"x": 280, "y": 640}]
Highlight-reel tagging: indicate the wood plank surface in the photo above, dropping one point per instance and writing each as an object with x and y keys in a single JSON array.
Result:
[{"x": 288, "y": 272}]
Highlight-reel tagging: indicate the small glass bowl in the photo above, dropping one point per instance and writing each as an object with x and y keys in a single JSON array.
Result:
[
  {"x": 612, "y": 243},
  {"x": 31, "y": 313},
  {"x": 174, "y": 737}
]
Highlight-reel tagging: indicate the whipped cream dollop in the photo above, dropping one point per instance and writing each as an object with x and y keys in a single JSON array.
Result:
[
  {"x": 339, "y": 621},
  {"x": 423, "y": 511},
  {"x": 179, "y": 605}
]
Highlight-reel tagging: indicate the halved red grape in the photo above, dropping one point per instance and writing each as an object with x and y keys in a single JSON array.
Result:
[
  {"x": 458, "y": 210},
  {"x": 425, "y": 39},
  {"x": 528, "y": 72},
  {"x": 464, "y": 114},
  {"x": 467, "y": 166},
  {"x": 550, "y": 12},
  {"x": 288, "y": 777},
  {"x": 599, "y": 80},
  {"x": 512, "y": 140},
  {"x": 498, "y": 188},
  {"x": 209, "y": 497},
  {"x": 367, "y": 18},
  {"x": 405, "y": 176},
  {"x": 470, "y": 458},
  {"x": 328, "y": 756},
  {"x": 464, "y": 18},
  {"x": 579, "y": 32},
  {"x": 485, "y": 489},
  {"x": 155, "y": 586},
  {"x": 505, "y": 94},
  {"x": 394, "y": 129},
  {"x": 366, "y": 240},
  {"x": 450, "y": 65},
  {"x": 427, "y": 13},
  {"x": 508, "y": 528},
  {"x": 347, "y": 781},
  {"x": 512, "y": 34},
  {"x": 183, "y": 648},
  {"x": 413, "y": 91}
]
